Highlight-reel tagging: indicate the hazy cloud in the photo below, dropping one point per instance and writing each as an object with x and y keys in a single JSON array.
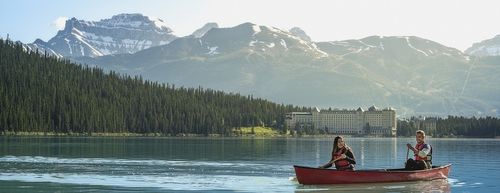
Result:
[{"x": 59, "y": 23}]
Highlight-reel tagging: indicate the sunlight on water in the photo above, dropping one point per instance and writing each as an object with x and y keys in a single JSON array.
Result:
[
  {"x": 55, "y": 160},
  {"x": 169, "y": 175},
  {"x": 178, "y": 182}
]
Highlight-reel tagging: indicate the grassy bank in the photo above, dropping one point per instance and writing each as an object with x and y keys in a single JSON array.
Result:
[
  {"x": 246, "y": 131},
  {"x": 256, "y": 131},
  {"x": 236, "y": 132}
]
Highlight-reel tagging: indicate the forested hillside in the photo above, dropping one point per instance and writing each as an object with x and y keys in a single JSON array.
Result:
[
  {"x": 453, "y": 126},
  {"x": 39, "y": 93}
]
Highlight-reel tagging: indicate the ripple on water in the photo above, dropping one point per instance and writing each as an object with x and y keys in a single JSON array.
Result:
[
  {"x": 162, "y": 174},
  {"x": 179, "y": 182}
]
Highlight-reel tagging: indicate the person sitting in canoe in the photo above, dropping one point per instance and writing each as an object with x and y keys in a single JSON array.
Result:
[
  {"x": 342, "y": 156},
  {"x": 423, "y": 154}
]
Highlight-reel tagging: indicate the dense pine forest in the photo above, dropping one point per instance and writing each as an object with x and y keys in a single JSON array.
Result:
[
  {"x": 39, "y": 93},
  {"x": 452, "y": 126}
]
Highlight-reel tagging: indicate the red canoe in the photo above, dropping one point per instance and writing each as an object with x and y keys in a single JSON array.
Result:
[{"x": 308, "y": 175}]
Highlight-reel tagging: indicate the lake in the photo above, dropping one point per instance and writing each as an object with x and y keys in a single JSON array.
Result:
[{"x": 142, "y": 164}]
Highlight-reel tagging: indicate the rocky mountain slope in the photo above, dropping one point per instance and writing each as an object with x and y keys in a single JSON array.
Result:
[{"x": 414, "y": 75}]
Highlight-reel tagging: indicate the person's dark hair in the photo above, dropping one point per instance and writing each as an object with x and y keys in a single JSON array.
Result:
[{"x": 335, "y": 143}]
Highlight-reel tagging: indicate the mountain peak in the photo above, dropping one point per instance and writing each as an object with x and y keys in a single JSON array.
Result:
[
  {"x": 133, "y": 21},
  {"x": 39, "y": 41},
  {"x": 70, "y": 24},
  {"x": 122, "y": 33},
  {"x": 489, "y": 47},
  {"x": 207, "y": 27},
  {"x": 137, "y": 21},
  {"x": 129, "y": 16},
  {"x": 296, "y": 31}
]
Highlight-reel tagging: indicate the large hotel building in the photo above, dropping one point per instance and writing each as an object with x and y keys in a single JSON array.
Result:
[{"x": 343, "y": 121}]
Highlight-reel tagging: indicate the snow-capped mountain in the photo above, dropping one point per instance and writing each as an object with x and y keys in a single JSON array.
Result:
[
  {"x": 257, "y": 39},
  {"x": 490, "y": 47},
  {"x": 42, "y": 47},
  {"x": 200, "y": 32},
  {"x": 407, "y": 45},
  {"x": 300, "y": 33},
  {"x": 123, "y": 33},
  {"x": 412, "y": 74},
  {"x": 246, "y": 40}
]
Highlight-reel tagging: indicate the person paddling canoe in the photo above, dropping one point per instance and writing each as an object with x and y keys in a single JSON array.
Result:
[
  {"x": 342, "y": 156},
  {"x": 423, "y": 154}
]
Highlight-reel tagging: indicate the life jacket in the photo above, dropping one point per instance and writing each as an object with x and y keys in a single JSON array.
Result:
[
  {"x": 420, "y": 147},
  {"x": 342, "y": 163}
]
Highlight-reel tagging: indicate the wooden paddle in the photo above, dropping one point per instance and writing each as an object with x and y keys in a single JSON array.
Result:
[
  {"x": 333, "y": 161},
  {"x": 407, "y": 152}
]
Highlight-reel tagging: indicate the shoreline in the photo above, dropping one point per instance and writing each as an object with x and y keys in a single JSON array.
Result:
[{"x": 53, "y": 134}]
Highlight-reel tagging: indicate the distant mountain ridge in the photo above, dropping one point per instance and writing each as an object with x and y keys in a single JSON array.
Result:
[
  {"x": 123, "y": 33},
  {"x": 489, "y": 47},
  {"x": 416, "y": 76}
]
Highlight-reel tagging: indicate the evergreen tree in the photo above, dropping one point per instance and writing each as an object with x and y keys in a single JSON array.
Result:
[{"x": 39, "y": 93}]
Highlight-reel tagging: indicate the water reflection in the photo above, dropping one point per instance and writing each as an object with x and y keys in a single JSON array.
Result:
[
  {"x": 394, "y": 150},
  {"x": 419, "y": 186},
  {"x": 317, "y": 150},
  {"x": 362, "y": 152}
]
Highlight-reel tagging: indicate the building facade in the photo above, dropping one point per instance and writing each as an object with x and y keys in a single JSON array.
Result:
[{"x": 348, "y": 122}]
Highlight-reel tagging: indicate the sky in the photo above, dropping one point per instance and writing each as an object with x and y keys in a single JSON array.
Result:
[{"x": 453, "y": 23}]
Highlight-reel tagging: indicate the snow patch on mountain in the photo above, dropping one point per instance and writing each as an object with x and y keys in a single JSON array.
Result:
[
  {"x": 252, "y": 43},
  {"x": 315, "y": 48},
  {"x": 368, "y": 45},
  {"x": 283, "y": 43},
  {"x": 160, "y": 24},
  {"x": 212, "y": 50},
  {"x": 256, "y": 29},
  {"x": 79, "y": 35},
  {"x": 69, "y": 45},
  {"x": 411, "y": 46},
  {"x": 255, "y": 43}
]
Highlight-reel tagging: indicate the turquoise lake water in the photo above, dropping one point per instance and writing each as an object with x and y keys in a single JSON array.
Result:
[{"x": 135, "y": 164}]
